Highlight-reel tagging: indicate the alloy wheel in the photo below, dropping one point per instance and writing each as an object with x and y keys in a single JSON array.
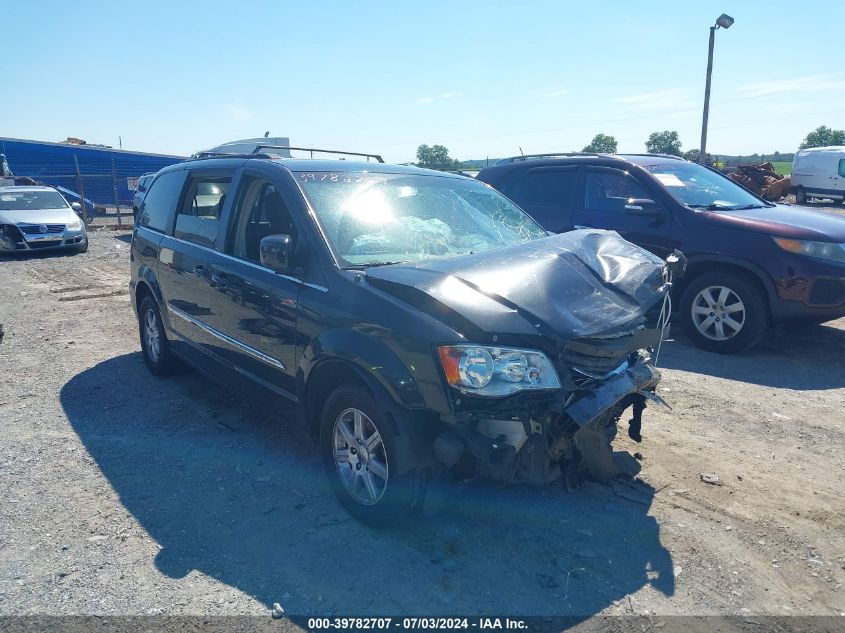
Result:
[
  {"x": 718, "y": 313},
  {"x": 360, "y": 456},
  {"x": 152, "y": 339}
]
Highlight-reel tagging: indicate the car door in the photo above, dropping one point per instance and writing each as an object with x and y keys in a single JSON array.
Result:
[
  {"x": 186, "y": 254},
  {"x": 254, "y": 308},
  {"x": 548, "y": 194},
  {"x": 614, "y": 199}
]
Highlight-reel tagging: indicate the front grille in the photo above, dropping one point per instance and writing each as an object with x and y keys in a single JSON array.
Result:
[
  {"x": 35, "y": 229},
  {"x": 593, "y": 364},
  {"x": 827, "y": 292},
  {"x": 45, "y": 243}
]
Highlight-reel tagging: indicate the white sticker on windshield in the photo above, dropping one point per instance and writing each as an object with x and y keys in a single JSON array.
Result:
[{"x": 670, "y": 180}]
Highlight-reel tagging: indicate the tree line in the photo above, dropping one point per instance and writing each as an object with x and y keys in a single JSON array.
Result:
[{"x": 664, "y": 142}]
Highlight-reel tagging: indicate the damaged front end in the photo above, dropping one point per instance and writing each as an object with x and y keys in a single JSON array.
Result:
[{"x": 599, "y": 334}]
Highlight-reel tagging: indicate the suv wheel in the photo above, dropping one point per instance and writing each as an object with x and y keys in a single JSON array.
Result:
[
  {"x": 724, "y": 312},
  {"x": 358, "y": 444},
  {"x": 154, "y": 344},
  {"x": 800, "y": 196}
]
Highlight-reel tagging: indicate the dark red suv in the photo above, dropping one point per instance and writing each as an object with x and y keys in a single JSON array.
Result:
[{"x": 752, "y": 264}]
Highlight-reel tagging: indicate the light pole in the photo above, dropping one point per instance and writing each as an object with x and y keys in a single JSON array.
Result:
[{"x": 724, "y": 21}]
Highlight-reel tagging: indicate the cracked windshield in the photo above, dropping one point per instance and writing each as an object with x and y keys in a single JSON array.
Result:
[{"x": 376, "y": 219}]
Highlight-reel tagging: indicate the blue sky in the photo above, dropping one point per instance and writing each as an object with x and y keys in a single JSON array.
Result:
[{"x": 482, "y": 78}]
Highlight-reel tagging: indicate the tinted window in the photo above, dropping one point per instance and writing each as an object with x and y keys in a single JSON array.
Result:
[
  {"x": 198, "y": 217},
  {"x": 549, "y": 186},
  {"x": 161, "y": 200},
  {"x": 609, "y": 190},
  {"x": 259, "y": 211}
]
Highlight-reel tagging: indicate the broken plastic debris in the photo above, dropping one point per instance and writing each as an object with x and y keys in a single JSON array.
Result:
[{"x": 710, "y": 478}]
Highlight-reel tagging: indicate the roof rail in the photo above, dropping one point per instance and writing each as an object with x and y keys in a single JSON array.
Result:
[
  {"x": 377, "y": 157},
  {"x": 513, "y": 159},
  {"x": 653, "y": 154}
]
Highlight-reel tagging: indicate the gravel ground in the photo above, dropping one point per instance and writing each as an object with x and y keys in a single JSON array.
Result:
[{"x": 128, "y": 494}]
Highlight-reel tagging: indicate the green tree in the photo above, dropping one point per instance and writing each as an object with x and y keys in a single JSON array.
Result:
[
  {"x": 435, "y": 157},
  {"x": 602, "y": 144},
  {"x": 822, "y": 136},
  {"x": 666, "y": 142}
]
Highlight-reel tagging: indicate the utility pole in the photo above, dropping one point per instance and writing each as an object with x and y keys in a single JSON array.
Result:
[{"x": 724, "y": 21}]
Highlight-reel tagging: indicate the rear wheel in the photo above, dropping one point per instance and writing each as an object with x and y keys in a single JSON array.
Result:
[
  {"x": 154, "y": 344},
  {"x": 800, "y": 196},
  {"x": 724, "y": 312},
  {"x": 359, "y": 443}
]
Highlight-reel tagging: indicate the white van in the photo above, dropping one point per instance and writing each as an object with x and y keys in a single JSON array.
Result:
[{"x": 819, "y": 172}]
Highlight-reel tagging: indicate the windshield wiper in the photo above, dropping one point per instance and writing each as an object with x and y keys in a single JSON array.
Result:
[
  {"x": 370, "y": 265},
  {"x": 716, "y": 206}
]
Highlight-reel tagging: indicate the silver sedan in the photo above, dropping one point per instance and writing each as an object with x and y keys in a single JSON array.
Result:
[{"x": 39, "y": 218}]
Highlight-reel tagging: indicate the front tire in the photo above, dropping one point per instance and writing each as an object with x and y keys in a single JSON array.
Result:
[
  {"x": 800, "y": 196},
  {"x": 724, "y": 312},
  {"x": 154, "y": 344},
  {"x": 359, "y": 444},
  {"x": 83, "y": 247}
]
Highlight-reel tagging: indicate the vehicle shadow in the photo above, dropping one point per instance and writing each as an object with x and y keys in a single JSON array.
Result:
[
  {"x": 808, "y": 357},
  {"x": 228, "y": 491}
]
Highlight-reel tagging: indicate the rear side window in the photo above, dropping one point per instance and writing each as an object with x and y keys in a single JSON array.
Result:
[
  {"x": 161, "y": 200},
  {"x": 842, "y": 167},
  {"x": 198, "y": 217},
  {"x": 549, "y": 185}
]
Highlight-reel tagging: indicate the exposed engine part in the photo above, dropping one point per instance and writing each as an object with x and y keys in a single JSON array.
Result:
[
  {"x": 513, "y": 431},
  {"x": 635, "y": 424},
  {"x": 534, "y": 465}
]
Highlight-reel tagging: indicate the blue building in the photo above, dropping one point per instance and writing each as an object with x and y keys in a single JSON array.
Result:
[{"x": 104, "y": 173}]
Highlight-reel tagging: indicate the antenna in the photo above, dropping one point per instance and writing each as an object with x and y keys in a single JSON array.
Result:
[{"x": 521, "y": 153}]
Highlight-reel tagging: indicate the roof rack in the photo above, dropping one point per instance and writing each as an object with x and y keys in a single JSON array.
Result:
[
  {"x": 257, "y": 153},
  {"x": 377, "y": 157}
]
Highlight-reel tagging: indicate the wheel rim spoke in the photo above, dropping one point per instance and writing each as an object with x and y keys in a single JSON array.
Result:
[
  {"x": 360, "y": 456},
  {"x": 718, "y": 313}
]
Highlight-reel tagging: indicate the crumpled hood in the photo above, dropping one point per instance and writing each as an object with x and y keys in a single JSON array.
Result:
[
  {"x": 583, "y": 283},
  {"x": 785, "y": 221},
  {"x": 38, "y": 216}
]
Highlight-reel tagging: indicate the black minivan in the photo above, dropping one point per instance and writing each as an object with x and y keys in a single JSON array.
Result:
[
  {"x": 417, "y": 323},
  {"x": 752, "y": 264}
]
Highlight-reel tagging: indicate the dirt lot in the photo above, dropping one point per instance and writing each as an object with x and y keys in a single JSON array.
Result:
[{"x": 128, "y": 494}]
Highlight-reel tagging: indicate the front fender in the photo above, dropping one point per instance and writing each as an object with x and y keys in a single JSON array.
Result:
[{"x": 407, "y": 382}]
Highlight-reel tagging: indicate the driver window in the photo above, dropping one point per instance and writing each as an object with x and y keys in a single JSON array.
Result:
[
  {"x": 260, "y": 211},
  {"x": 198, "y": 218},
  {"x": 609, "y": 190}
]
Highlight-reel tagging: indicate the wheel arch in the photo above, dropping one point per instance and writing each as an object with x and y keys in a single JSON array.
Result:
[{"x": 696, "y": 266}]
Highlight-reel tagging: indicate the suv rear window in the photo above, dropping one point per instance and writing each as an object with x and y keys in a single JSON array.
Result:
[
  {"x": 549, "y": 185},
  {"x": 160, "y": 201}
]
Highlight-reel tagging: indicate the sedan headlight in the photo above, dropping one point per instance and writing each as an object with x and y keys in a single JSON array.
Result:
[
  {"x": 496, "y": 371},
  {"x": 831, "y": 251},
  {"x": 74, "y": 225}
]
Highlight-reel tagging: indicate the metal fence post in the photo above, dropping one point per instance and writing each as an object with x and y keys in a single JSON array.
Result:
[
  {"x": 80, "y": 185},
  {"x": 114, "y": 186}
]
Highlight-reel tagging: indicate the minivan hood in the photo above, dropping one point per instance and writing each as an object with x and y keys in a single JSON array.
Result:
[
  {"x": 38, "y": 216},
  {"x": 587, "y": 283},
  {"x": 784, "y": 221}
]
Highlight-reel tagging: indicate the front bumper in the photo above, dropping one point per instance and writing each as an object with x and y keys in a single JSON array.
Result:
[
  {"x": 533, "y": 447},
  {"x": 14, "y": 240}
]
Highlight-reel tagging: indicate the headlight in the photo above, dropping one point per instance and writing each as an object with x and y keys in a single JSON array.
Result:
[
  {"x": 496, "y": 371},
  {"x": 831, "y": 251},
  {"x": 74, "y": 225}
]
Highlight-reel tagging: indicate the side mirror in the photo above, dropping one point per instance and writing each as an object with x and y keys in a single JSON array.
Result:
[
  {"x": 276, "y": 252},
  {"x": 643, "y": 206},
  {"x": 76, "y": 207}
]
